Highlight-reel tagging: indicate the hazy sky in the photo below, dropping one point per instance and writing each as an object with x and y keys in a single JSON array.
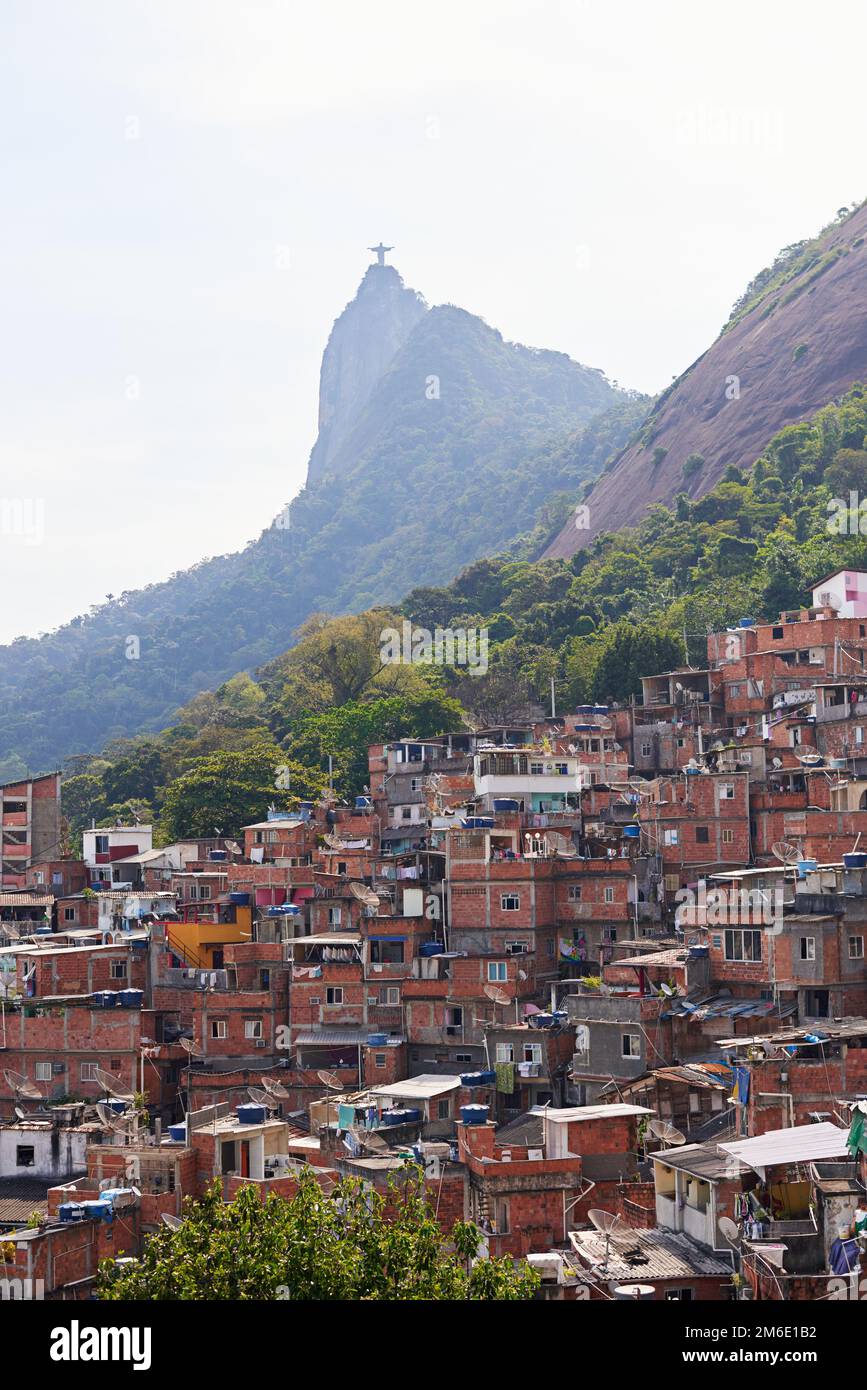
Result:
[{"x": 189, "y": 189}]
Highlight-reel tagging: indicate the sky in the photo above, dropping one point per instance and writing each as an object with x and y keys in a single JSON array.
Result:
[{"x": 190, "y": 189}]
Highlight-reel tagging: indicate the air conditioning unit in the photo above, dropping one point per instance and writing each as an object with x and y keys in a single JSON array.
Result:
[
  {"x": 372, "y": 999},
  {"x": 261, "y": 1042}
]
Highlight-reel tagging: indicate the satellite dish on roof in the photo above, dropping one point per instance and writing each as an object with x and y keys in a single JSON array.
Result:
[
  {"x": 331, "y": 1080},
  {"x": 173, "y": 1222},
  {"x": 666, "y": 990},
  {"x": 191, "y": 1047},
  {"x": 366, "y": 896},
  {"x": 605, "y": 1221},
  {"x": 497, "y": 995},
  {"x": 785, "y": 852},
  {"x": 665, "y": 1132},
  {"x": 334, "y": 842},
  {"x": 560, "y": 845},
  {"x": 112, "y": 1085},
  {"x": 19, "y": 1113},
  {"x": 23, "y": 1088},
  {"x": 233, "y": 847},
  {"x": 730, "y": 1229},
  {"x": 263, "y": 1098},
  {"x": 275, "y": 1088},
  {"x": 368, "y": 1139}
]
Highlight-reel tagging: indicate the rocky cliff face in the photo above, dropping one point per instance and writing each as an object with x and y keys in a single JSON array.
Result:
[
  {"x": 799, "y": 342},
  {"x": 362, "y": 345}
]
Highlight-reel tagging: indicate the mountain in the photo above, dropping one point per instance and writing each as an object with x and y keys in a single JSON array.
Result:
[
  {"x": 440, "y": 441},
  {"x": 362, "y": 345},
  {"x": 796, "y": 340}
]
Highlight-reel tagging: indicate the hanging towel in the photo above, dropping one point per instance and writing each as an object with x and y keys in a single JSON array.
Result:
[
  {"x": 345, "y": 1116},
  {"x": 505, "y": 1077},
  {"x": 857, "y": 1140}
]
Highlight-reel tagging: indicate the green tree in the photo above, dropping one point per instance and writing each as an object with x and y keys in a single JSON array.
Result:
[
  {"x": 352, "y": 1244},
  {"x": 229, "y": 789}
]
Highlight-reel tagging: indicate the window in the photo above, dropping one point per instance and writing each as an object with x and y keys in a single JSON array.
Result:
[
  {"x": 87, "y": 1071},
  {"x": 264, "y": 979},
  {"x": 379, "y": 1059},
  {"x": 859, "y": 734},
  {"x": 856, "y": 948},
  {"x": 115, "y": 1065},
  {"x": 496, "y": 971},
  {"x": 443, "y": 1110},
  {"x": 609, "y": 935},
  {"x": 389, "y": 996},
  {"x": 416, "y": 784},
  {"x": 532, "y": 1052},
  {"x": 406, "y": 813},
  {"x": 43, "y": 1071},
  {"x": 777, "y": 633},
  {"x": 646, "y": 750},
  {"x": 702, "y": 835},
  {"x": 726, "y": 791},
  {"x": 118, "y": 970},
  {"x": 69, "y": 914},
  {"x": 630, "y": 1044},
  {"x": 102, "y": 844},
  {"x": 334, "y": 994},
  {"x": 728, "y": 837},
  {"x": 386, "y": 952},
  {"x": 505, "y": 1052},
  {"x": 218, "y": 1028},
  {"x": 609, "y": 895},
  {"x": 334, "y": 916},
  {"x": 510, "y": 902},
  {"x": 678, "y": 1295},
  {"x": 463, "y": 1056},
  {"x": 25, "y": 1156},
  {"x": 517, "y": 948},
  {"x": 808, "y": 948},
  {"x": 253, "y": 1028},
  {"x": 536, "y": 769},
  {"x": 669, "y": 837},
  {"x": 743, "y": 945},
  {"x": 455, "y": 1018},
  {"x": 341, "y": 866},
  {"x": 574, "y": 892}
]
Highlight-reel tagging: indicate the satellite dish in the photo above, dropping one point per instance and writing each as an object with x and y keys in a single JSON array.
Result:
[
  {"x": 605, "y": 1221},
  {"x": 785, "y": 852},
  {"x": 369, "y": 1140},
  {"x": 263, "y": 1098},
  {"x": 560, "y": 845},
  {"x": 666, "y": 990},
  {"x": 275, "y": 1088},
  {"x": 730, "y": 1229},
  {"x": 19, "y": 1113},
  {"x": 334, "y": 842},
  {"x": 9, "y": 929},
  {"x": 665, "y": 1132},
  {"x": 233, "y": 847},
  {"x": 173, "y": 1222},
  {"x": 191, "y": 1047},
  {"x": 497, "y": 995},
  {"x": 366, "y": 896},
  {"x": 112, "y": 1085},
  {"x": 23, "y": 1088},
  {"x": 522, "y": 974},
  {"x": 331, "y": 1080}
]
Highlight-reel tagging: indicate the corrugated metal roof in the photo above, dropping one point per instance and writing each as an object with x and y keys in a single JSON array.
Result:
[
  {"x": 336, "y": 1037},
  {"x": 799, "y": 1145},
  {"x": 419, "y": 1087},
  {"x": 25, "y": 900},
  {"x": 635, "y": 1255},
  {"x": 702, "y": 1160},
  {"x": 593, "y": 1112}
]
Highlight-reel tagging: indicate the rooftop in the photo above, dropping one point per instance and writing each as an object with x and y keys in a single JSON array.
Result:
[
  {"x": 803, "y": 1144},
  {"x": 645, "y": 1255},
  {"x": 702, "y": 1160}
]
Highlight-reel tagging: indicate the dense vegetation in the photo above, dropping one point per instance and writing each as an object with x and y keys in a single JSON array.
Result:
[
  {"x": 349, "y": 1244},
  {"x": 432, "y": 477},
  {"x": 633, "y": 603}
]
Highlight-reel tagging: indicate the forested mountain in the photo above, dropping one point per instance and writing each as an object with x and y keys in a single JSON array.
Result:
[
  {"x": 628, "y": 605},
  {"x": 796, "y": 339},
  {"x": 440, "y": 446}
]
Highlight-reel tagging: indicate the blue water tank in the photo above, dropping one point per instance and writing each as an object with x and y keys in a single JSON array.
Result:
[
  {"x": 250, "y": 1114},
  {"x": 118, "y": 1106},
  {"x": 110, "y": 999},
  {"x": 475, "y": 1114},
  {"x": 178, "y": 1133},
  {"x": 131, "y": 998},
  {"x": 363, "y": 803},
  {"x": 746, "y": 622},
  {"x": 71, "y": 1211},
  {"x": 240, "y": 899},
  {"x": 631, "y": 832},
  {"x": 478, "y": 1078},
  {"x": 806, "y": 866},
  {"x": 855, "y": 861},
  {"x": 505, "y": 803},
  {"x": 377, "y": 1039},
  {"x": 430, "y": 948}
]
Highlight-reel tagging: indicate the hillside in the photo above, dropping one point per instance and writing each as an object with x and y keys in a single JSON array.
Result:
[
  {"x": 796, "y": 340},
  {"x": 447, "y": 455}
]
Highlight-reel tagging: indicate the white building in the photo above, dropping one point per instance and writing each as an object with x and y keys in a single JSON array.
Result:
[{"x": 846, "y": 591}]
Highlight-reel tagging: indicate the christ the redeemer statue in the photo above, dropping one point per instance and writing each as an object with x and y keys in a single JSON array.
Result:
[{"x": 380, "y": 252}]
